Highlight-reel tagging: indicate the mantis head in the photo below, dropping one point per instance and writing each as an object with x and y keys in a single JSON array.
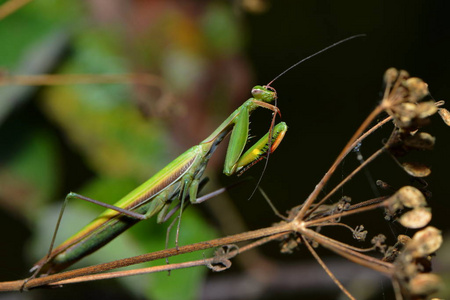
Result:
[{"x": 264, "y": 93}]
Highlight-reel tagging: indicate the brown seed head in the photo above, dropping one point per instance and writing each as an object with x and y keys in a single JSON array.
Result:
[
  {"x": 390, "y": 75},
  {"x": 416, "y": 218},
  {"x": 420, "y": 141},
  {"x": 416, "y": 169},
  {"x": 425, "y": 284},
  {"x": 445, "y": 115},
  {"x": 417, "y": 88},
  {"x": 425, "y": 242}
]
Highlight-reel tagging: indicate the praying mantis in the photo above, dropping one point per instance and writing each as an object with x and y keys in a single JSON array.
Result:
[{"x": 176, "y": 182}]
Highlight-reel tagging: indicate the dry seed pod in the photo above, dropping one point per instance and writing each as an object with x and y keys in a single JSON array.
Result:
[
  {"x": 416, "y": 169},
  {"x": 410, "y": 197},
  {"x": 390, "y": 75},
  {"x": 404, "y": 113},
  {"x": 425, "y": 241},
  {"x": 425, "y": 284},
  {"x": 403, "y": 239},
  {"x": 408, "y": 114},
  {"x": 417, "y": 88},
  {"x": 445, "y": 115},
  {"x": 416, "y": 218},
  {"x": 421, "y": 141},
  {"x": 426, "y": 109},
  {"x": 399, "y": 93},
  {"x": 407, "y": 196},
  {"x": 403, "y": 75}
]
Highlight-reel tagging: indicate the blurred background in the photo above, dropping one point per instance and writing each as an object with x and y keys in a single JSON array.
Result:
[{"x": 198, "y": 61}]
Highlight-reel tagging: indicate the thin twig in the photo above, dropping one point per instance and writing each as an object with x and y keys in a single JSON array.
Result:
[
  {"x": 246, "y": 236},
  {"x": 377, "y": 202},
  {"x": 166, "y": 267},
  {"x": 350, "y": 176},
  {"x": 330, "y": 274},
  {"x": 71, "y": 79},
  {"x": 359, "y": 258},
  {"x": 313, "y": 196},
  {"x": 10, "y": 7},
  {"x": 346, "y": 179},
  {"x": 272, "y": 206}
]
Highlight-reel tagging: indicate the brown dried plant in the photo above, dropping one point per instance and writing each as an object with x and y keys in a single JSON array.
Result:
[{"x": 407, "y": 262}]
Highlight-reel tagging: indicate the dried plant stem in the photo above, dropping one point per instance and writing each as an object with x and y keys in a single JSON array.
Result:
[
  {"x": 367, "y": 203},
  {"x": 397, "y": 289},
  {"x": 347, "y": 179},
  {"x": 377, "y": 203},
  {"x": 41, "y": 281},
  {"x": 343, "y": 250},
  {"x": 323, "y": 265},
  {"x": 313, "y": 196},
  {"x": 343, "y": 245},
  {"x": 346, "y": 245},
  {"x": 71, "y": 79},
  {"x": 334, "y": 224},
  {"x": 10, "y": 7},
  {"x": 167, "y": 267},
  {"x": 117, "y": 274}
]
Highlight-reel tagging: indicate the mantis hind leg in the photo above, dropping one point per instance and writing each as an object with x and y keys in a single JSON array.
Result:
[
  {"x": 126, "y": 212},
  {"x": 37, "y": 268},
  {"x": 154, "y": 208}
]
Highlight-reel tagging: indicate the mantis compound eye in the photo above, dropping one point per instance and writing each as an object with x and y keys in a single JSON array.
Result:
[
  {"x": 257, "y": 91},
  {"x": 262, "y": 93}
]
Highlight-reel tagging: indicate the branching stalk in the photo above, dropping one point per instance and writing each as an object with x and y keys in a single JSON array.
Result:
[{"x": 313, "y": 196}]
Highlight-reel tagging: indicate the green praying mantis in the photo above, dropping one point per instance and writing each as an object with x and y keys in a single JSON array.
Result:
[{"x": 176, "y": 182}]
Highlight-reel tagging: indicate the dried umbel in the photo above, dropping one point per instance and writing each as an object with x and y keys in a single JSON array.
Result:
[
  {"x": 420, "y": 141},
  {"x": 416, "y": 169},
  {"x": 405, "y": 100},
  {"x": 413, "y": 265},
  {"x": 408, "y": 197},
  {"x": 402, "y": 100},
  {"x": 408, "y": 262}
]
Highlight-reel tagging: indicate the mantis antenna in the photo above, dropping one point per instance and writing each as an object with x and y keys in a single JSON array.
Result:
[
  {"x": 278, "y": 76},
  {"x": 317, "y": 53}
]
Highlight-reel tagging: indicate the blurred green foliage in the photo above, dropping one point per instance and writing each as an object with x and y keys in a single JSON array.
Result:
[{"x": 97, "y": 135}]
